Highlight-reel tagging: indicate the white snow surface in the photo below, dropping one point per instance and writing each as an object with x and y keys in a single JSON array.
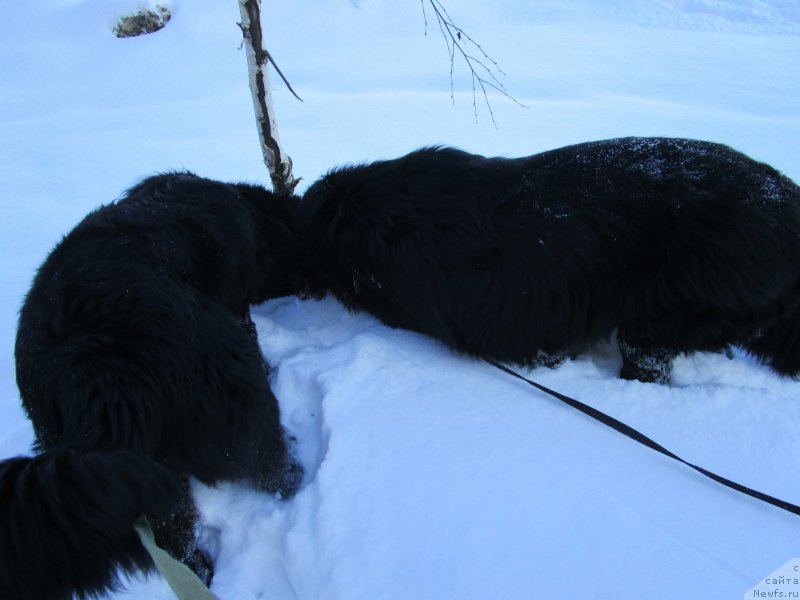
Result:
[{"x": 430, "y": 475}]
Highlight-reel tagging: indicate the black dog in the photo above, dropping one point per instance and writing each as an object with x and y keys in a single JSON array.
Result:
[
  {"x": 138, "y": 365},
  {"x": 677, "y": 245}
]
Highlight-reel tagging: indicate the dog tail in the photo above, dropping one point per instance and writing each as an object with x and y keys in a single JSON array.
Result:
[{"x": 66, "y": 520}]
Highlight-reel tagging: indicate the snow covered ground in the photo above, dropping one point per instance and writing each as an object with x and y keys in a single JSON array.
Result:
[{"x": 429, "y": 475}]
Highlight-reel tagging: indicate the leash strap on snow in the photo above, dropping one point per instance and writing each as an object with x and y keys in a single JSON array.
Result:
[
  {"x": 636, "y": 435},
  {"x": 185, "y": 584}
]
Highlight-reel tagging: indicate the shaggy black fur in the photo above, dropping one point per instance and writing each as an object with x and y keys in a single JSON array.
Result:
[
  {"x": 138, "y": 366},
  {"x": 678, "y": 245}
]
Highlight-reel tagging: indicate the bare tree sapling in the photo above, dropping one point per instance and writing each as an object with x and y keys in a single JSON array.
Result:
[{"x": 278, "y": 162}]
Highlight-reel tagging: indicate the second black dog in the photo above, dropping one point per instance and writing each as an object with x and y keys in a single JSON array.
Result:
[
  {"x": 138, "y": 366},
  {"x": 677, "y": 245}
]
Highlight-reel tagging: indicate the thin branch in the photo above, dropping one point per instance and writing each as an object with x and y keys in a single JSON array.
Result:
[
  {"x": 281, "y": 75},
  {"x": 483, "y": 76}
]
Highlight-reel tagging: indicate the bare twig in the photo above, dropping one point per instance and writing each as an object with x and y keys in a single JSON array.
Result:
[
  {"x": 281, "y": 75},
  {"x": 278, "y": 163},
  {"x": 458, "y": 41}
]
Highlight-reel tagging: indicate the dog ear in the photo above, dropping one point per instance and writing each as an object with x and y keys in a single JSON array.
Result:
[{"x": 319, "y": 205}]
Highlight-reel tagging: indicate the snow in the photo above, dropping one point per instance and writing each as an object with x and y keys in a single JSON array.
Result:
[{"x": 430, "y": 475}]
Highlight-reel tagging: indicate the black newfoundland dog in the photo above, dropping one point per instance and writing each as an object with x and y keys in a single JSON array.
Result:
[
  {"x": 138, "y": 365},
  {"x": 676, "y": 245}
]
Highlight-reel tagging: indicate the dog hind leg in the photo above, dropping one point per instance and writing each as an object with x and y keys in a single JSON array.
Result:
[
  {"x": 643, "y": 360},
  {"x": 779, "y": 345},
  {"x": 176, "y": 533}
]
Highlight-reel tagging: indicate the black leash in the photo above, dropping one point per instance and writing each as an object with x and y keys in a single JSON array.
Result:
[{"x": 643, "y": 439}]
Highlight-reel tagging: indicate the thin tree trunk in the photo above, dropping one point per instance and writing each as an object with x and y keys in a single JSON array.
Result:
[{"x": 278, "y": 163}]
